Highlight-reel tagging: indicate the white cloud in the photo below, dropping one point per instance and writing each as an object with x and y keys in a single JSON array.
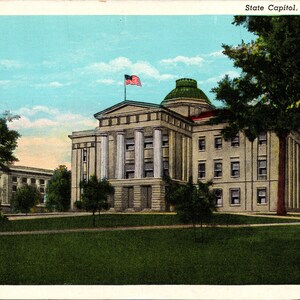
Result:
[
  {"x": 5, "y": 82},
  {"x": 53, "y": 84},
  {"x": 9, "y": 64},
  {"x": 106, "y": 81},
  {"x": 115, "y": 65},
  {"x": 217, "y": 54},
  {"x": 24, "y": 122},
  {"x": 189, "y": 61},
  {"x": 148, "y": 70},
  {"x": 75, "y": 121},
  {"x": 68, "y": 121},
  {"x": 125, "y": 65},
  {"x": 220, "y": 77},
  {"x": 56, "y": 84},
  {"x": 25, "y": 111}
]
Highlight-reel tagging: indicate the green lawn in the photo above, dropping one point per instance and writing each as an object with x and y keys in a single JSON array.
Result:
[
  {"x": 238, "y": 256},
  {"x": 117, "y": 220}
]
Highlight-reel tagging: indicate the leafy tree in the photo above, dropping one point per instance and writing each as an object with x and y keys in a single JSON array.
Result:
[
  {"x": 25, "y": 198},
  {"x": 265, "y": 97},
  {"x": 95, "y": 193},
  {"x": 8, "y": 141},
  {"x": 195, "y": 204},
  {"x": 59, "y": 190},
  {"x": 172, "y": 187}
]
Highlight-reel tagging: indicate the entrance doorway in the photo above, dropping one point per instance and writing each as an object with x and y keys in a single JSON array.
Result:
[
  {"x": 147, "y": 196},
  {"x": 128, "y": 196}
]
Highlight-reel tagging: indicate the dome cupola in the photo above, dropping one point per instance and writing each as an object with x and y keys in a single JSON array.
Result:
[{"x": 187, "y": 99}]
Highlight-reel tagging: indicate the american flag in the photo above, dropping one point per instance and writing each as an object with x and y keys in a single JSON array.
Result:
[{"x": 133, "y": 80}]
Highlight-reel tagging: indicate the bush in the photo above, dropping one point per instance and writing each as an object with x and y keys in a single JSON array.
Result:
[{"x": 78, "y": 204}]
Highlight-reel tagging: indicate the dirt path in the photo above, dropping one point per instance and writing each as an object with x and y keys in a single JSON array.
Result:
[
  {"x": 135, "y": 228},
  {"x": 16, "y": 217}
]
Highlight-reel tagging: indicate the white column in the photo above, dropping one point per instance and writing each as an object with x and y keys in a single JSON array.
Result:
[
  {"x": 157, "y": 152},
  {"x": 120, "y": 163},
  {"x": 139, "y": 153},
  {"x": 104, "y": 156}
]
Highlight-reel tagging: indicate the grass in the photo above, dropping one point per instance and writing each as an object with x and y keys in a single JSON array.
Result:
[
  {"x": 118, "y": 220},
  {"x": 228, "y": 256}
]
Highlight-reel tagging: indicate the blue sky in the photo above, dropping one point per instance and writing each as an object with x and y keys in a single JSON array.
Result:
[{"x": 57, "y": 71}]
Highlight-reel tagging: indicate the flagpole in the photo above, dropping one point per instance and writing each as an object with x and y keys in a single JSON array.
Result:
[{"x": 124, "y": 88}]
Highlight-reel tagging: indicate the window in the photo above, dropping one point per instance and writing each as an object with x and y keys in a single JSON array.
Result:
[
  {"x": 201, "y": 144},
  {"x": 129, "y": 171},
  {"x": 201, "y": 170},
  {"x": 24, "y": 180},
  {"x": 235, "y": 169},
  {"x": 262, "y": 168},
  {"x": 261, "y": 196},
  {"x": 166, "y": 168},
  {"x": 42, "y": 190},
  {"x": 14, "y": 179},
  {"x": 84, "y": 155},
  {"x": 33, "y": 180},
  {"x": 165, "y": 141},
  {"x": 262, "y": 139},
  {"x": 218, "y": 169},
  {"x": 235, "y": 196},
  {"x": 235, "y": 141},
  {"x": 14, "y": 188},
  {"x": 149, "y": 169},
  {"x": 148, "y": 142},
  {"x": 218, "y": 143},
  {"x": 129, "y": 144},
  {"x": 219, "y": 196},
  {"x": 42, "y": 181}
]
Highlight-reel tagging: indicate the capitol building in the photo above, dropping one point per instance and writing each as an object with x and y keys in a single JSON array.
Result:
[{"x": 137, "y": 143}]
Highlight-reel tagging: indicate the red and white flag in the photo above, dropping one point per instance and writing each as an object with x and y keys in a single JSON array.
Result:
[{"x": 133, "y": 80}]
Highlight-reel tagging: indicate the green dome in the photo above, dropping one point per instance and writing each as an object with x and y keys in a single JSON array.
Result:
[{"x": 186, "y": 88}]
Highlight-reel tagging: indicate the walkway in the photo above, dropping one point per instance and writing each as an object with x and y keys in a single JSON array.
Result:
[
  {"x": 13, "y": 217},
  {"x": 101, "y": 229}
]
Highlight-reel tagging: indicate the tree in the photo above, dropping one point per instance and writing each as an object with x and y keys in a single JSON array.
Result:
[
  {"x": 25, "y": 198},
  {"x": 95, "y": 193},
  {"x": 3, "y": 218},
  {"x": 265, "y": 97},
  {"x": 195, "y": 204},
  {"x": 172, "y": 187},
  {"x": 8, "y": 141},
  {"x": 59, "y": 190}
]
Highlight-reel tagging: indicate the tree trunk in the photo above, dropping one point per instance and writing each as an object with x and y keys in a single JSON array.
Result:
[
  {"x": 281, "y": 210},
  {"x": 94, "y": 220},
  {"x": 201, "y": 225},
  {"x": 252, "y": 194},
  {"x": 194, "y": 230}
]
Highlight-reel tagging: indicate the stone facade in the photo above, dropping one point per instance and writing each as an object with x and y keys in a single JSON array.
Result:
[
  {"x": 17, "y": 177},
  {"x": 137, "y": 143}
]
